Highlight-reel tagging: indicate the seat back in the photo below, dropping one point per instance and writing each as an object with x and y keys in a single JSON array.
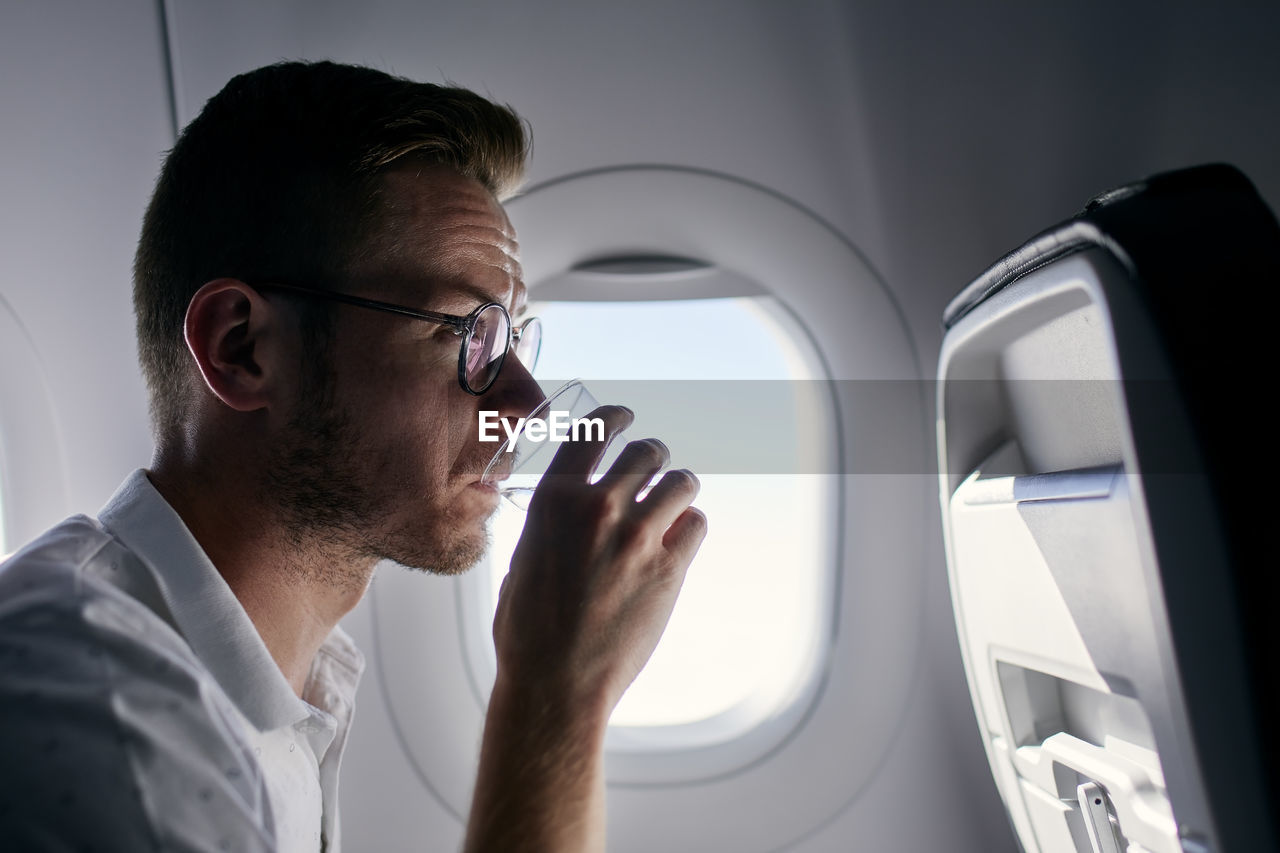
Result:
[{"x": 1101, "y": 443}]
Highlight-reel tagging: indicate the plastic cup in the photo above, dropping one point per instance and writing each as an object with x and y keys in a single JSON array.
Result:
[{"x": 516, "y": 469}]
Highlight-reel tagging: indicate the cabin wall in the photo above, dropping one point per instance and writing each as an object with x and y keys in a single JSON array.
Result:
[
  {"x": 84, "y": 122},
  {"x": 993, "y": 120}
]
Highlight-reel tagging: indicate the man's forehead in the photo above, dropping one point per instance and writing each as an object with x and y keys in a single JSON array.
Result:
[{"x": 440, "y": 230}]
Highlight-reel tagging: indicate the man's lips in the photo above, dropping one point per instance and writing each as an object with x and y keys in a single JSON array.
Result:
[{"x": 499, "y": 472}]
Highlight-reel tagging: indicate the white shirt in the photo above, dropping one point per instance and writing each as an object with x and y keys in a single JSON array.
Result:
[{"x": 140, "y": 709}]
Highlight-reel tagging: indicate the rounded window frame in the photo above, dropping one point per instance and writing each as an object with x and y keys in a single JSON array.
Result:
[{"x": 862, "y": 705}]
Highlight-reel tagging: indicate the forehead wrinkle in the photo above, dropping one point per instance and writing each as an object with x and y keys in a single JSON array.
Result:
[
  {"x": 468, "y": 249},
  {"x": 454, "y": 233},
  {"x": 414, "y": 201},
  {"x": 472, "y": 278},
  {"x": 485, "y": 223},
  {"x": 473, "y": 239},
  {"x": 475, "y": 246},
  {"x": 445, "y": 234},
  {"x": 433, "y": 240},
  {"x": 435, "y": 204}
]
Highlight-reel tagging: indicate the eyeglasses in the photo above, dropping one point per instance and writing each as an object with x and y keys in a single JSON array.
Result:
[{"x": 487, "y": 334}]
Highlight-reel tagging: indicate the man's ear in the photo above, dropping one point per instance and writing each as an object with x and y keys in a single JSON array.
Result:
[{"x": 231, "y": 332}]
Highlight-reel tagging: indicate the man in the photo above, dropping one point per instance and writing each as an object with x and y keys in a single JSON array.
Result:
[{"x": 327, "y": 292}]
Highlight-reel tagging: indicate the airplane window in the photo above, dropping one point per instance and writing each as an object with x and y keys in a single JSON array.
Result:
[{"x": 746, "y": 635}]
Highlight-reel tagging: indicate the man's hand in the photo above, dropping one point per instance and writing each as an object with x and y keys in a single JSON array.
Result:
[
  {"x": 591, "y": 587},
  {"x": 596, "y": 573}
]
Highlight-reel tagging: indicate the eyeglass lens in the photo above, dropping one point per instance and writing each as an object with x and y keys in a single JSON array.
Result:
[
  {"x": 486, "y": 347},
  {"x": 530, "y": 343}
]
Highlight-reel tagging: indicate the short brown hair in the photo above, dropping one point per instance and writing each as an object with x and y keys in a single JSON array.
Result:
[{"x": 277, "y": 179}]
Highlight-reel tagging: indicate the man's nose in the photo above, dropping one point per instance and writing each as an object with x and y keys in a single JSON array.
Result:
[{"x": 515, "y": 393}]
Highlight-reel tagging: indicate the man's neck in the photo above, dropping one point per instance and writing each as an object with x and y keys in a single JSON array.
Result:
[{"x": 293, "y": 592}]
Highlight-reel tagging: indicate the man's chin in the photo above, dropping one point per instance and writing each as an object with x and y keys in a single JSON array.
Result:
[
  {"x": 451, "y": 564},
  {"x": 455, "y": 552},
  {"x": 443, "y": 540}
]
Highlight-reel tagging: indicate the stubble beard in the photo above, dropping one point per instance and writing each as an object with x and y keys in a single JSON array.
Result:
[{"x": 319, "y": 479}]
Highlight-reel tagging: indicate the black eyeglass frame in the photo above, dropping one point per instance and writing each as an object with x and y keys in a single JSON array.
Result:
[{"x": 461, "y": 325}]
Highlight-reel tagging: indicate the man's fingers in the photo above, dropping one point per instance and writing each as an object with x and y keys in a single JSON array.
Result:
[
  {"x": 670, "y": 497},
  {"x": 685, "y": 535},
  {"x": 636, "y": 465},
  {"x": 577, "y": 459}
]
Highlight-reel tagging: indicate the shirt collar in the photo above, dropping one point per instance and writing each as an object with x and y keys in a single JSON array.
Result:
[{"x": 206, "y": 611}]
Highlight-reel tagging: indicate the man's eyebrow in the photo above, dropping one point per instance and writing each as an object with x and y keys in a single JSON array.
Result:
[{"x": 464, "y": 293}]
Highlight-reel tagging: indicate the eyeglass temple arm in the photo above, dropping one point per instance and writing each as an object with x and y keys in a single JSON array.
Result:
[{"x": 458, "y": 324}]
